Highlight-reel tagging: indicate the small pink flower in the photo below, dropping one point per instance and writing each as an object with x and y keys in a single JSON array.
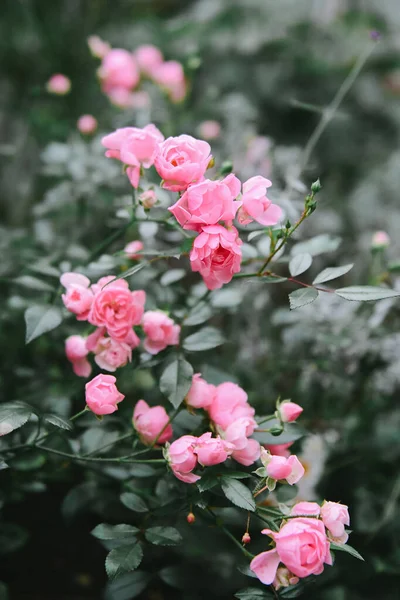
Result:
[
  {"x": 182, "y": 459},
  {"x": 111, "y": 354},
  {"x": 280, "y": 467},
  {"x": 335, "y": 516},
  {"x": 87, "y": 124},
  {"x": 118, "y": 70},
  {"x": 102, "y": 395},
  {"x": 216, "y": 254},
  {"x": 209, "y": 130},
  {"x": 170, "y": 76},
  {"x": 380, "y": 239},
  {"x": 133, "y": 249},
  {"x": 212, "y": 451},
  {"x": 58, "y": 84},
  {"x": 207, "y": 203},
  {"x": 78, "y": 297},
  {"x": 148, "y": 58},
  {"x": 149, "y": 422},
  {"x": 117, "y": 309},
  {"x": 98, "y": 47},
  {"x": 284, "y": 578},
  {"x": 238, "y": 431},
  {"x": 229, "y": 404},
  {"x": 306, "y": 508},
  {"x": 148, "y": 199},
  {"x": 160, "y": 330},
  {"x": 181, "y": 161},
  {"x": 76, "y": 352},
  {"x": 249, "y": 454},
  {"x": 289, "y": 411},
  {"x": 255, "y": 204},
  {"x": 265, "y": 566},
  {"x": 279, "y": 449},
  {"x": 121, "y": 97},
  {"x": 201, "y": 393}
]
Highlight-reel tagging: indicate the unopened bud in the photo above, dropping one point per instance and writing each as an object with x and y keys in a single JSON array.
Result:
[
  {"x": 190, "y": 518},
  {"x": 246, "y": 539},
  {"x": 226, "y": 167},
  {"x": 276, "y": 430},
  {"x": 380, "y": 239},
  {"x": 316, "y": 186},
  {"x": 148, "y": 199}
]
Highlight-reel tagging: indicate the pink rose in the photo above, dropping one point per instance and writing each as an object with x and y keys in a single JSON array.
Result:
[
  {"x": 121, "y": 97},
  {"x": 216, "y": 254},
  {"x": 280, "y": 467},
  {"x": 87, "y": 124},
  {"x": 148, "y": 199},
  {"x": 201, "y": 393},
  {"x": 182, "y": 458},
  {"x": 335, "y": 516},
  {"x": 212, "y": 451},
  {"x": 58, "y": 84},
  {"x": 284, "y": 578},
  {"x": 117, "y": 309},
  {"x": 306, "y": 508},
  {"x": 102, "y": 395},
  {"x": 98, "y": 47},
  {"x": 148, "y": 58},
  {"x": 118, "y": 70},
  {"x": 78, "y": 298},
  {"x": 133, "y": 248},
  {"x": 209, "y": 130},
  {"x": 238, "y": 431},
  {"x": 255, "y": 204},
  {"x": 249, "y": 454},
  {"x": 76, "y": 352},
  {"x": 150, "y": 422},
  {"x": 380, "y": 239},
  {"x": 170, "y": 76},
  {"x": 289, "y": 411},
  {"x": 265, "y": 566},
  {"x": 229, "y": 404},
  {"x": 279, "y": 449},
  {"x": 207, "y": 203},
  {"x": 181, "y": 161},
  {"x": 160, "y": 331},
  {"x": 110, "y": 354}
]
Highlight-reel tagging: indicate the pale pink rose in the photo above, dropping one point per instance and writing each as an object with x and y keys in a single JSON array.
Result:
[
  {"x": 147, "y": 199},
  {"x": 289, "y": 411},
  {"x": 118, "y": 70},
  {"x": 87, "y": 124},
  {"x": 302, "y": 546},
  {"x": 92, "y": 341},
  {"x": 117, "y": 309},
  {"x": 249, "y": 454},
  {"x": 82, "y": 367},
  {"x": 238, "y": 431},
  {"x": 279, "y": 449},
  {"x": 121, "y": 97},
  {"x": 181, "y": 161},
  {"x": 148, "y": 58},
  {"x": 209, "y": 130},
  {"x": 207, "y": 203},
  {"x": 76, "y": 352},
  {"x": 229, "y": 404},
  {"x": 170, "y": 76},
  {"x": 212, "y": 451},
  {"x": 78, "y": 297},
  {"x": 380, "y": 239},
  {"x": 102, "y": 395},
  {"x": 160, "y": 330},
  {"x": 297, "y": 471},
  {"x": 98, "y": 47},
  {"x": 280, "y": 467},
  {"x": 58, "y": 84},
  {"x": 306, "y": 508},
  {"x": 216, "y": 255},
  {"x": 265, "y": 566},
  {"x": 201, "y": 393},
  {"x": 111, "y": 354},
  {"x": 284, "y": 578},
  {"x": 335, "y": 516},
  {"x": 150, "y": 421},
  {"x": 133, "y": 249},
  {"x": 182, "y": 458},
  {"x": 255, "y": 204}
]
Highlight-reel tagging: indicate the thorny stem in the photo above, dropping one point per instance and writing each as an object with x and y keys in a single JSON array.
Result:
[{"x": 229, "y": 534}]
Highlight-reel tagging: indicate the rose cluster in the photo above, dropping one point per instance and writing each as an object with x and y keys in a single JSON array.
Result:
[
  {"x": 121, "y": 73},
  {"x": 207, "y": 207},
  {"x": 302, "y": 544},
  {"x": 115, "y": 310}
]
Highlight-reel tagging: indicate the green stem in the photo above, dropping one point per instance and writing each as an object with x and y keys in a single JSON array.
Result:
[
  {"x": 120, "y": 439},
  {"x": 110, "y": 239},
  {"x": 287, "y": 235},
  {"x": 119, "y": 459},
  {"x": 229, "y": 534}
]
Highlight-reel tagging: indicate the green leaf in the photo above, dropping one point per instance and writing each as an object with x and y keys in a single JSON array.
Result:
[
  {"x": 186, "y": 245},
  {"x": 291, "y": 433},
  {"x": 333, "y": 273},
  {"x": 171, "y": 276},
  {"x": 228, "y": 298},
  {"x": 133, "y": 502},
  {"x": 205, "y": 339},
  {"x": 12, "y": 537},
  {"x": 33, "y": 283},
  {"x": 13, "y": 415},
  {"x": 79, "y": 499},
  {"x": 348, "y": 549},
  {"x": 41, "y": 319},
  {"x": 130, "y": 272},
  {"x": 238, "y": 493},
  {"x": 302, "y": 297},
  {"x": 123, "y": 559},
  {"x": 114, "y": 532},
  {"x": 28, "y": 461},
  {"x": 270, "y": 279},
  {"x": 365, "y": 293},
  {"x": 253, "y": 594},
  {"x": 44, "y": 268},
  {"x": 127, "y": 586},
  {"x": 199, "y": 313},
  {"x": 163, "y": 536},
  {"x": 176, "y": 380},
  {"x": 300, "y": 263},
  {"x": 317, "y": 245},
  {"x": 58, "y": 422}
]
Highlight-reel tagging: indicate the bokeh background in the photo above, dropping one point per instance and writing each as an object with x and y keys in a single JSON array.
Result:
[{"x": 264, "y": 70}]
